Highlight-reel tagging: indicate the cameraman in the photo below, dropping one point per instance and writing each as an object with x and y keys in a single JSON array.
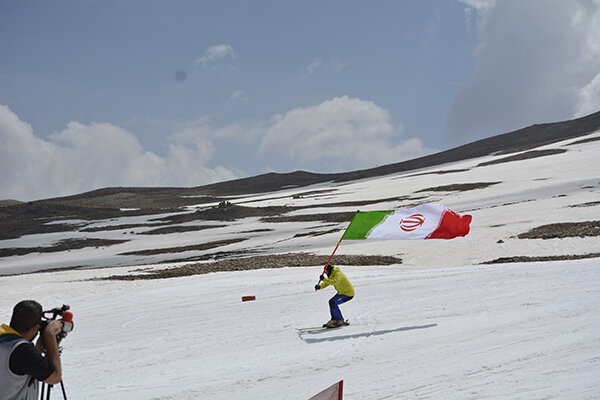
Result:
[{"x": 22, "y": 364}]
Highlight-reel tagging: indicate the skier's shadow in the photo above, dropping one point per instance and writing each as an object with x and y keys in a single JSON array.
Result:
[{"x": 365, "y": 334}]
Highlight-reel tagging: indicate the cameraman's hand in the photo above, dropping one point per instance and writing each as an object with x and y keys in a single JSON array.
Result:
[{"x": 54, "y": 328}]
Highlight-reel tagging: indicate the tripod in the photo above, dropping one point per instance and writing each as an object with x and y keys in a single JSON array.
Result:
[
  {"x": 46, "y": 387},
  {"x": 49, "y": 387},
  {"x": 67, "y": 326}
]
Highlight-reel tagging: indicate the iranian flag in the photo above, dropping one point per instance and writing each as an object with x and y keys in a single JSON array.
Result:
[{"x": 427, "y": 221}]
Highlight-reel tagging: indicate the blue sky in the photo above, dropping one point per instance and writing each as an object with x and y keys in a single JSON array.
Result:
[{"x": 97, "y": 93}]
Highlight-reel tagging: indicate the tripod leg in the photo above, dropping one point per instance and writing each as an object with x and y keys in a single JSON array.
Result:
[
  {"x": 45, "y": 387},
  {"x": 62, "y": 386},
  {"x": 48, "y": 388}
]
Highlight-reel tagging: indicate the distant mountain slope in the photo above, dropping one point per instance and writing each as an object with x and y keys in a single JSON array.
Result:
[
  {"x": 17, "y": 219},
  {"x": 520, "y": 140}
]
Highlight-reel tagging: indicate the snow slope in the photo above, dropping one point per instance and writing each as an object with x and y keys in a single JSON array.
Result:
[
  {"x": 528, "y": 331},
  {"x": 438, "y": 326}
]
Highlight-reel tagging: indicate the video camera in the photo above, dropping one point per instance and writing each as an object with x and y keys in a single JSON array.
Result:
[{"x": 66, "y": 320}]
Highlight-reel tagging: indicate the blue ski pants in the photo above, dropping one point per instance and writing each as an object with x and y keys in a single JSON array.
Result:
[{"x": 336, "y": 314}]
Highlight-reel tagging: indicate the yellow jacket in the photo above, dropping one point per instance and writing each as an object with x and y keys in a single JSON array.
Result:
[
  {"x": 338, "y": 280},
  {"x": 5, "y": 330}
]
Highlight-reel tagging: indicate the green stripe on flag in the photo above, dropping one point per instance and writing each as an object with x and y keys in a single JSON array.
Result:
[{"x": 363, "y": 222}]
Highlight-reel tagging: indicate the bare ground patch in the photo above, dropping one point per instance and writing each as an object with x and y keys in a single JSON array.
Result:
[
  {"x": 317, "y": 233},
  {"x": 441, "y": 172},
  {"x": 589, "y": 204},
  {"x": 63, "y": 245},
  {"x": 524, "y": 156},
  {"x": 258, "y": 262},
  {"x": 515, "y": 259},
  {"x": 585, "y": 141},
  {"x": 459, "y": 187},
  {"x": 324, "y": 217},
  {"x": 178, "y": 229},
  {"x": 360, "y": 203},
  {"x": 555, "y": 231},
  {"x": 226, "y": 211},
  {"x": 563, "y": 230},
  {"x": 196, "y": 247},
  {"x": 115, "y": 227}
]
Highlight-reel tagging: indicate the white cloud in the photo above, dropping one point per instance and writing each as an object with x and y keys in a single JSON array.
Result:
[
  {"x": 479, "y": 5},
  {"x": 239, "y": 95},
  {"x": 86, "y": 157},
  {"x": 215, "y": 53},
  {"x": 99, "y": 155},
  {"x": 187, "y": 164},
  {"x": 317, "y": 64},
  {"x": 337, "y": 66},
  {"x": 589, "y": 98},
  {"x": 537, "y": 62},
  {"x": 23, "y": 157},
  {"x": 431, "y": 27},
  {"x": 589, "y": 95},
  {"x": 340, "y": 134}
]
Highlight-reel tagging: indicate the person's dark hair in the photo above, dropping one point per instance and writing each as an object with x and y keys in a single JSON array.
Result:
[
  {"x": 329, "y": 269},
  {"x": 26, "y": 315}
]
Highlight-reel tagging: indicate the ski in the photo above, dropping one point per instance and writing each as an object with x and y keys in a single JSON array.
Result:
[
  {"x": 321, "y": 328},
  {"x": 313, "y": 329}
]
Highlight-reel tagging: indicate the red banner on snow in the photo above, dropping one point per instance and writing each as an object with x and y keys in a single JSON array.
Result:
[{"x": 334, "y": 392}]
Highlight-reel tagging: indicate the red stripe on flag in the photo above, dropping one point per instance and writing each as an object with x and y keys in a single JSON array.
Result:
[{"x": 451, "y": 225}]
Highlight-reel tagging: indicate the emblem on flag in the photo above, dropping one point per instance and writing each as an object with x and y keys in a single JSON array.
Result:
[{"x": 411, "y": 223}]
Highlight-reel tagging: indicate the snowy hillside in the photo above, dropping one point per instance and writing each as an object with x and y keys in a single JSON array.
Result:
[{"x": 439, "y": 325}]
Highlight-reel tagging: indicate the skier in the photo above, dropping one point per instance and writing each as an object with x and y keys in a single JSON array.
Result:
[{"x": 345, "y": 292}]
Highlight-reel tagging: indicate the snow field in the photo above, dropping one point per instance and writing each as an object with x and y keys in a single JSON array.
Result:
[{"x": 502, "y": 331}]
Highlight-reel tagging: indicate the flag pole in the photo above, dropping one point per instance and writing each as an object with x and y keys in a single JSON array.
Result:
[
  {"x": 328, "y": 261},
  {"x": 331, "y": 256},
  {"x": 334, "y": 250}
]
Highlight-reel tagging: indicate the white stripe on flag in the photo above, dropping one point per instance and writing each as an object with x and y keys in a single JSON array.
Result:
[{"x": 411, "y": 223}]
